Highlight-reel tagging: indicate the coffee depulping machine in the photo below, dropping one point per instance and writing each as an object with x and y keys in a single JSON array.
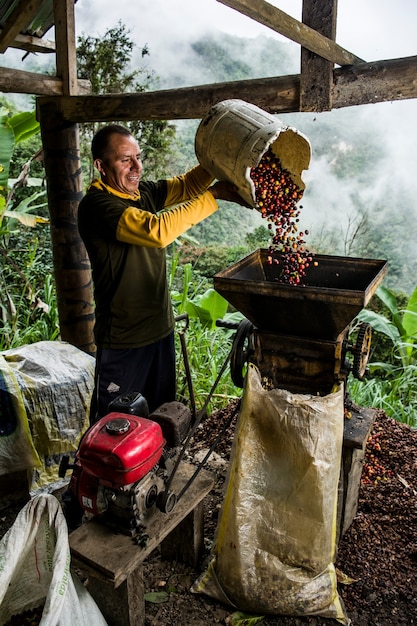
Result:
[{"x": 298, "y": 336}]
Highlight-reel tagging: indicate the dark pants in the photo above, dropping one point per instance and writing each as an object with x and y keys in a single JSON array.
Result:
[{"x": 149, "y": 370}]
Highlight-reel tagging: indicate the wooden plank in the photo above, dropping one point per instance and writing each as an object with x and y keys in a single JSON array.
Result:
[
  {"x": 352, "y": 466},
  {"x": 272, "y": 94},
  {"x": 380, "y": 81},
  {"x": 17, "y": 21},
  {"x": 383, "y": 81},
  {"x": 20, "y": 81},
  {"x": 66, "y": 60},
  {"x": 284, "y": 24},
  {"x": 356, "y": 429},
  {"x": 185, "y": 541},
  {"x": 31, "y": 44},
  {"x": 316, "y": 80},
  {"x": 122, "y": 556},
  {"x": 124, "y": 606}
]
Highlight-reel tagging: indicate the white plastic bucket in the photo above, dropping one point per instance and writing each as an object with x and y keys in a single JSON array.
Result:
[{"x": 233, "y": 136}]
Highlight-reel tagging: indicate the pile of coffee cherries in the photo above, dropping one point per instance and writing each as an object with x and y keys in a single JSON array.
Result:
[
  {"x": 374, "y": 469},
  {"x": 276, "y": 197}
]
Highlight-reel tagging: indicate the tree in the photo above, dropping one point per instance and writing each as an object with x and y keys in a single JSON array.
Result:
[{"x": 104, "y": 62}]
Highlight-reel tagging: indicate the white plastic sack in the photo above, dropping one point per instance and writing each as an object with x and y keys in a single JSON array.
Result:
[
  {"x": 275, "y": 541},
  {"x": 35, "y": 569}
]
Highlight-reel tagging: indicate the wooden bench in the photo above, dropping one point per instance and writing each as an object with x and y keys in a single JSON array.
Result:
[{"x": 112, "y": 562}]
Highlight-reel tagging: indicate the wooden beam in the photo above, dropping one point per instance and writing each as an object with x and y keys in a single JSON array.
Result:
[
  {"x": 184, "y": 103},
  {"x": 32, "y": 44},
  {"x": 284, "y": 24},
  {"x": 316, "y": 79},
  {"x": 19, "y": 81},
  {"x": 17, "y": 21},
  {"x": 66, "y": 60},
  {"x": 368, "y": 83},
  {"x": 381, "y": 81}
]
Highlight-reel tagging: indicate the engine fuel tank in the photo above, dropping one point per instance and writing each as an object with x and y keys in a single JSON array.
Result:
[{"x": 120, "y": 449}]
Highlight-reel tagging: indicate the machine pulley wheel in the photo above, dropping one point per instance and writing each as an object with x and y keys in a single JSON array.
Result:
[
  {"x": 166, "y": 501},
  {"x": 241, "y": 350},
  {"x": 361, "y": 351}
]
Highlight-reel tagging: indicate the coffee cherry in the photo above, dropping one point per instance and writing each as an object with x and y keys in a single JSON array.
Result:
[{"x": 276, "y": 196}]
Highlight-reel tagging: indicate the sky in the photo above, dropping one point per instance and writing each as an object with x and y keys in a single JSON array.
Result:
[{"x": 372, "y": 29}]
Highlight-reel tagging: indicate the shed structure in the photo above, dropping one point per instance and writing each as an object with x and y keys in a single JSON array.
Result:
[{"x": 330, "y": 77}]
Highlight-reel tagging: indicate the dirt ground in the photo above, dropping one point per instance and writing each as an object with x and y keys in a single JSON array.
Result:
[{"x": 377, "y": 556}]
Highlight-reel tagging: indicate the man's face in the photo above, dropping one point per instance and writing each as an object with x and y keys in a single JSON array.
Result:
[{"x": 121, "y": 168}]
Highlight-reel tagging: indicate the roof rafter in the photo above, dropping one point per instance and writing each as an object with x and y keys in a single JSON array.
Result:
[
  {"x": 31, "y": 44},
  {"x": 17, "y": 22},
  {"x": 284, "y": 24}
]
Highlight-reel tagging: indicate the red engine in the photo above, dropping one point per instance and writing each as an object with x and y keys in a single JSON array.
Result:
[{"x": 124, "y": 461}]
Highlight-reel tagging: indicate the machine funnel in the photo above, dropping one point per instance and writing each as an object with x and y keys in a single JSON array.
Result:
[{"x": 333, "y": 292}]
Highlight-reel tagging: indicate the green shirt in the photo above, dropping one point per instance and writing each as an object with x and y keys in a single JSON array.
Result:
[{"x": 125, "y": 237}]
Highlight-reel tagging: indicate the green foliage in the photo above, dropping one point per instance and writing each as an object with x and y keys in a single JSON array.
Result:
[
  {"x": 215, "y": 56},
  {"x": 28, "y": 305},
  {"x": 396, "y": 394},
  {"x": 22, "y": 311},
  {"x": 13, "y": 129},
  {"x": 245, "y": 619},
  {"x": 207, "y": 307},
  {"x": 393, "y": 386},
  {"x": 401, "y": 329},
  {"x": 207, "y": 346},
  {"x": 259, "y": 238},
  {"x": 205, "y": 260},
  {"x": 207, "y": 351},
  {"x": 104, "y": 61}
]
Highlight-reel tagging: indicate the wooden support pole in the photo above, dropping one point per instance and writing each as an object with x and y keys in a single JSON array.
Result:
[
  {"x": 316, "y": 78},
  {"x": 71, "y": 264},
  {"x": 66, "y": 59}
]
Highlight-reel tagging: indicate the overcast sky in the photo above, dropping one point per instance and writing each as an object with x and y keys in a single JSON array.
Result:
[{"x": 372, "y": 29}]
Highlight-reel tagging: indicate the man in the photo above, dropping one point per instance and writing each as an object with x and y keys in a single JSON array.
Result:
[{"x": 125, "y": 230}]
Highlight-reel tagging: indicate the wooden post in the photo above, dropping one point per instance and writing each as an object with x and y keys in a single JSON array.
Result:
[
  {"x": 316, "y": 78},
  {"x": 71, "y": 264}
]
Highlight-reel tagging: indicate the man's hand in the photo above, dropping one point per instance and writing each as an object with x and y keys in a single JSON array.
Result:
[{"x": 223, "y": 190}]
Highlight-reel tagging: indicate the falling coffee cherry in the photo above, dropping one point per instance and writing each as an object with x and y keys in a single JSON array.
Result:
[{"x": 276, "y": 197}]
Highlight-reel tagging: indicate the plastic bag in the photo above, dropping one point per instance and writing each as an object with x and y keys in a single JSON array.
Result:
[
  {"x": 35, "y": 569},
  {"x": 17, "y": 451},
  {"x": 55, "y": 381},
  {"x": 276, "y": 537}
]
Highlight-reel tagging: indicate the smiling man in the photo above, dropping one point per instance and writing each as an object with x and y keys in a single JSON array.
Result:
[{"x": 126, "y": 224}]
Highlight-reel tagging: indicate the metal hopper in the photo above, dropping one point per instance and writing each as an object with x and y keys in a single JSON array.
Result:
[
  {"x": 299, "y": 339},
  {"x": 332, "y": 294}
]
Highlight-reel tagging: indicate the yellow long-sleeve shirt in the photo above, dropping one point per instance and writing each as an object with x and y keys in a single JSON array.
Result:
[{"x": 125, "y": 237}]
